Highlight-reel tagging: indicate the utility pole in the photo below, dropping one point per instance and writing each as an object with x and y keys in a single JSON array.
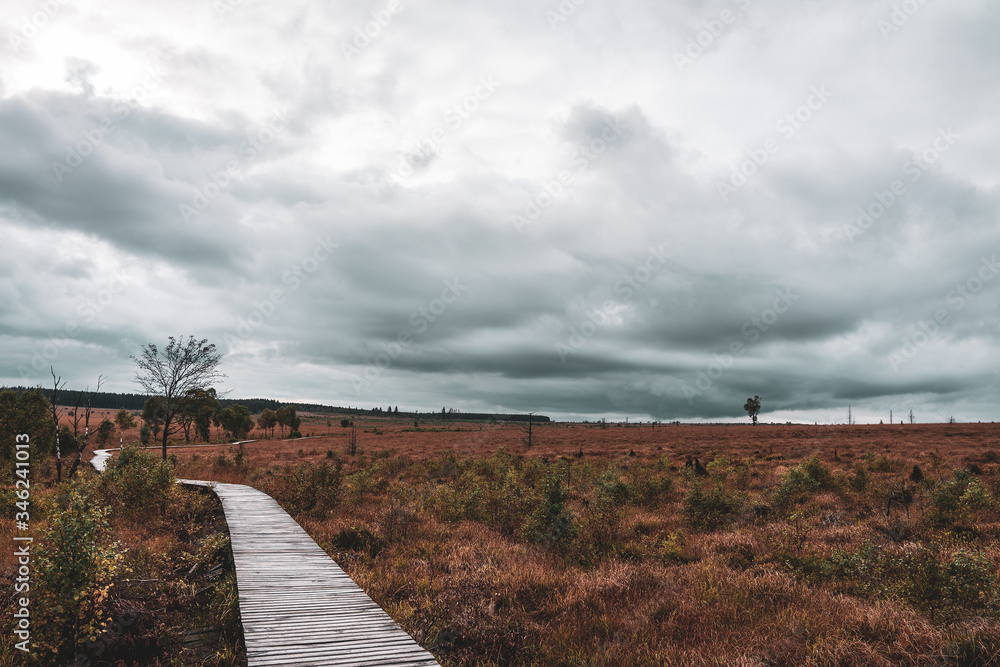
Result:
[{"x": 529, "y": 429}]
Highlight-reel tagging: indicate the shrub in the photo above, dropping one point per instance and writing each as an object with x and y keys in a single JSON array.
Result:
[
  {"x": 77, "y": 564},
  {"x": 649, "y": 491},
  {"x": 551, "y": 524},
  {"x": 708, "y": 511},
  {"x": 309, "y": 488},
  {"x": 926, "y": 578},
  {"x": 953, "y": 499},
  {"x": 859, "y": 481},
  {"x": 506, "y": 502},
  {"x": 802, "y": 480},
  {"x": 672, "y": 549},
  {"x": 879, "y": 463},
  {"x": 105, "y": 431},
  {"x": 397, "y": 523},
  {"x": 975, "y": 497},
  {"x": 136, "y": 481},
  {"x": 610, "y": 490},
  {"x": 360, "y": 540}
]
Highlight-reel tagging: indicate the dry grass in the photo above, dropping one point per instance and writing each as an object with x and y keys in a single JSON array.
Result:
[{"x": 821, "y": 580}]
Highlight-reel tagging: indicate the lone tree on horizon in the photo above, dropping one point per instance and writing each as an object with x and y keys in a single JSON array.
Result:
[
  {"x": 752, "y": 406},
  {"x": 182, "y": 367}
]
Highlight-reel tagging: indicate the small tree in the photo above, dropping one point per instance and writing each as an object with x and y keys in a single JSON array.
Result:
[
  {"x": 267, "y": 421},
  {"x": 57, "y": 384},
  {"x": 23, "y": 412},
  {"x": 86, "y": 424},
  {"x": 912, "y": 418},
  {"x": 182, "y": 367},
  {"x": 153, "y": 414},
  {"x": 124, "y": 420},
  {"x": 236, "y": 421},
  {"x": 281, "y": 417},
  {"x": 286, "y": 417},
  {"x": 105, "y": 431},
  {"x": 752, "y": 406}
]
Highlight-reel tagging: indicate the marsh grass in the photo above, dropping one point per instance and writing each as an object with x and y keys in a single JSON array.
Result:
[{"x": 508, "y": 559}]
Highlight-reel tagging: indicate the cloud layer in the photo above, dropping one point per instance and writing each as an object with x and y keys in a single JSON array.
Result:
[{"x": 584, "y": 209}]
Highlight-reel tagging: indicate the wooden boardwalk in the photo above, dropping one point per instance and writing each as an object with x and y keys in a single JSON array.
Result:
[{"x": 296, "y": 604}]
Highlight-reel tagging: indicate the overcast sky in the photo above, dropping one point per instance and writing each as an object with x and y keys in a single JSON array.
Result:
[{"x": 589, "y": 209}]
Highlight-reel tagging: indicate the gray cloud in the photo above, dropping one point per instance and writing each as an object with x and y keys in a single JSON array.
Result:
[{"x": 634, "y": 289}]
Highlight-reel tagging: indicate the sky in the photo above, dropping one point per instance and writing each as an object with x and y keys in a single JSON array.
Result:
[{"x": 585, "y": 208}]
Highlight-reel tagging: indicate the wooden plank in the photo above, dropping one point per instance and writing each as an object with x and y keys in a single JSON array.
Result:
[{"x": 297, "y": 605}]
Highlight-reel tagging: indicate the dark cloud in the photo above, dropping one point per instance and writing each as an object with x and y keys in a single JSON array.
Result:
[{"x": 638, "y": 286}]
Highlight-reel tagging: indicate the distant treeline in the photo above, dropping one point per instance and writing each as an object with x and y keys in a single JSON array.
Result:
[{"x": 135, "y": 402}]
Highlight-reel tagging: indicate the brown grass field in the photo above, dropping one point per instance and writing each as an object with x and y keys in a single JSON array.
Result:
[
  {"x": 803, "y": 545},
  {"x": 450, "y": 528}
]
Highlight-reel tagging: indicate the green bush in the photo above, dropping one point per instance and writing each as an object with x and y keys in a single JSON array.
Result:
[
  {"x": 672, "y": 549},
  {"x": 136, "y": 481},
  {"x": 859, "y": 480},
  {"x": 310, "y": 488},
  {"x": 711, "y": 510},
  {"x": 955, "y": 499},
  {"x": 552, "y": 522},
  {"x": 927, "y": 578},
  {"x": 458, "y": 499},
  {"x": 359, "y": 540},
  {"x": 77, "y": 563},
  {"x": 506, "y": 502},
  {"x": 802, "y": 481},
  {"x": 611, "y": 490}
]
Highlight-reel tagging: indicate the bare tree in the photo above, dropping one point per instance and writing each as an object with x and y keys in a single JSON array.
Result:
[
  {"x": 352, "y": 443},
  {"x": 182, "y": 367},
  {"x": 56, "y": 386},
  {"x": 86, "y": 425}
]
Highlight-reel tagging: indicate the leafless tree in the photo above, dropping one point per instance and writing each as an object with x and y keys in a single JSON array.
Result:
[
  {"x": 86, "y": 424},
  {"x": 183, "y": 366},
  {"x": 56, "y": 386}
]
